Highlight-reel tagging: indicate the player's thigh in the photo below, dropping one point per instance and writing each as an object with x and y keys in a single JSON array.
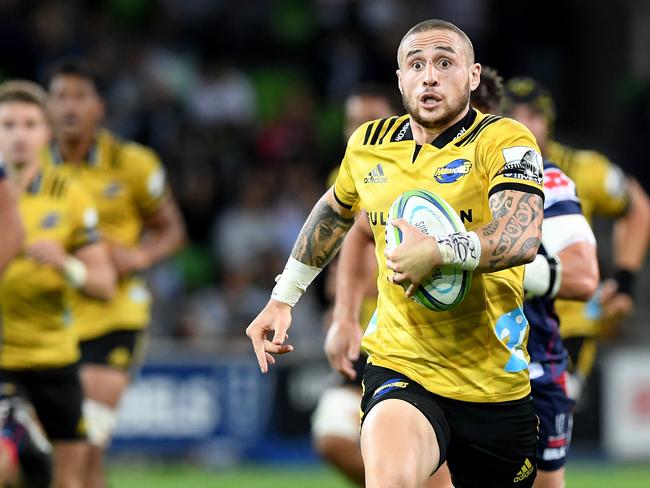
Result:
[
  {"x": 492, "y": 445},
  {"x": 550, "y": 479},
  {"x": 555, "y": 412},
  {"x": 439, "y": 479},
  {"x": 107, "y": 362},
  {"x": 398, "y": 445},
  {"x": 404, "y": 433}
]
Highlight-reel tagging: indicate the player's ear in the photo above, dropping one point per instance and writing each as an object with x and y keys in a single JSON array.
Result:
[
  {"x": 399, "y": 81},
  {"x": 474, "y": 76}
]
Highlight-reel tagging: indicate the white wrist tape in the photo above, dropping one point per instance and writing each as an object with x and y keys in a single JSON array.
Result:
[
  {"x": 75, "y": 272},
  {"x": 293, "y": 281},
  {"x": 543, "y": 276},
  {"x": 461, "y": 250}
]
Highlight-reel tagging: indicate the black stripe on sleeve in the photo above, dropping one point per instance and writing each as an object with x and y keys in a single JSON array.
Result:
[
  {"x": 375, "y": 136},
  {"x": 391, "y": 123},
  {"x": 471, "y": 137},
  {"x": 516, "y": 187},
  {"x": 339, "y": 201},
  {"x": 367, "y": 136}
]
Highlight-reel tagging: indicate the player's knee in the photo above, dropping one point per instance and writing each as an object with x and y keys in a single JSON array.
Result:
[
  {"x": 392, "y": 475},
  {"x": 100, "y": 422},
  {"x": 331, "y": 448}
]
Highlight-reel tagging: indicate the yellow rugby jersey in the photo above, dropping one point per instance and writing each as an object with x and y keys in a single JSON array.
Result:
[
  {"x": 35, "y": 299},
  {"x": 477, "y": 351},
  {"x": 602, "y": 190},
  {"x": 127, "y": 183}
]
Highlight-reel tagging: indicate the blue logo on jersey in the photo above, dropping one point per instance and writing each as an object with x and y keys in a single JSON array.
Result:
[
  {"x": 112, "y": 190},
  {"x": 50, "y": 220},
  {"x": 453, "y": 171},
  {"x": 511, "y": 330}
]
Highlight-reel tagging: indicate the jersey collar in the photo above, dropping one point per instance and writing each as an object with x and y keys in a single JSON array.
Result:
[
  {"x": 456, "y": 130},
  {"x": 403, "y": 131},
  {"x": 91, "y": 159}
]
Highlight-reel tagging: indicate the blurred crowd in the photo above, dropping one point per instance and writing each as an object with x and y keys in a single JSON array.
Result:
[{"x": 243, "y": 103}]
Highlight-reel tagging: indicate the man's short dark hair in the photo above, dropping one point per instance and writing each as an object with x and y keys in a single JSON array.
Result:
[
  {"x": 376, "y": 90},
  {"x": 487, "y": 97},
  {"x": 78, "y": 68},
  {"x": 437, "y": 24}
]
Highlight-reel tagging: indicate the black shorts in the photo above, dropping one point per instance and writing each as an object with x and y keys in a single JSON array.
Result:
[
  {"x": 56, "y": 396},
  {"x": 486, "y": 445},
  {"x": 555, "y": 412},
  {"x": 121, "y": 349},
  {"x": 359, "y": 366}
]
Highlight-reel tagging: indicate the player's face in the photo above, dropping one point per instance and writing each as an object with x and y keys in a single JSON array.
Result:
[
  {"x": 532, "y": 119},
  {"x": 436, "y": 77},
  {"x": 75, "y": 106},
  {"x": 24, "y": 132},
  {"x": 361, "y": 109}
]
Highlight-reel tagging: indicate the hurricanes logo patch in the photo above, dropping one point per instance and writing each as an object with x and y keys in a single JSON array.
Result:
[
  {"x": 50, "y": 220},
  {"x": 451, "y": 172},
  {"x": 390, "y": 385}
]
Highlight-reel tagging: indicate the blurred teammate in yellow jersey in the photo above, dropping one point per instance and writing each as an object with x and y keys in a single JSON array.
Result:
[
  {"x": 139, "y": 220},
  {"x": 39, "y": 353},
  {"x": 438, "y": 386},
  {"x": 604, "y": 191}
]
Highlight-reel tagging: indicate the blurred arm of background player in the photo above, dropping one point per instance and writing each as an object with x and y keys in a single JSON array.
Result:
[
  {"x": 629, "y": 255},
  {"x": 13, "y": 232},
  {"x": 355, "y": 279},
  {"x": 163, "y": 235}
]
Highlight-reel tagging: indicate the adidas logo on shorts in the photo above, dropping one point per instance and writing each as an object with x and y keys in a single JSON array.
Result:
[
  {"x": 525, "y": 471},
  {"x": 376, "y": 175}
]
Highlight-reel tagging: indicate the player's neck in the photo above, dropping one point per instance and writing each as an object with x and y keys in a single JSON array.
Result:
[
  {"x": 76, "y": 150},
  {"x": 22, "y": 175},
  {"x": 425, "y": 135}
]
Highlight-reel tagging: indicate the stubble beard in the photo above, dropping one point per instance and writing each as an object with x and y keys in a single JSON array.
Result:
[{"x": 450, "y": 113}]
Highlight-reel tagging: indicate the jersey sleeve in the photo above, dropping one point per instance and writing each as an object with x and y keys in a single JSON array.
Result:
[
  {"x": 147, "y": 178},
  {"x": 560, "y": 193},
  {"x": 345, "y": 190},
  {"x": 511, "y": 158},
  {"x": 602, "y": 182},
  {"x": 84, "y": 219}
]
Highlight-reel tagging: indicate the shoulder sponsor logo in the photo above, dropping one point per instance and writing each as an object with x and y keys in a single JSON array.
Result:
[
  {"x": 522, "y": 163},
  {"x": 50, "y": 220},
  {"x": 390, "y": 385},
  {"x": 376, "y": 175},
  {"x": 453, "y": 171}
]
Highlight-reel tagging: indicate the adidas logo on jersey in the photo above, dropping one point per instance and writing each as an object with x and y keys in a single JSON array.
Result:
[
  {"x": 376, "y": 175},
  {"x": 525, "y": 471}
]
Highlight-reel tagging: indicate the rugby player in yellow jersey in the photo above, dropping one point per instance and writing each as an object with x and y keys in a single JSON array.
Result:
[
  {"x": 439, "y": 386},
  {"x": 39, "y": 353},
  {"x": 139, "y": 219},
  {"x": 604, "y": 191},
  {"x": 336, "y": 419}
]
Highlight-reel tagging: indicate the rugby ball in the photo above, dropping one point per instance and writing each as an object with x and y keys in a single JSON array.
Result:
[{"x": 433, "y": 216}]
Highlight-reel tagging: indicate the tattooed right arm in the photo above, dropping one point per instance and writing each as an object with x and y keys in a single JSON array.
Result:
[
  {"x": 322, "y": 235},
  {"x": 513, "y": 236}
]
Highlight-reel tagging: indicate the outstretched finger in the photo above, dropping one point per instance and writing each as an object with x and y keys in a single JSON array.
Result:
[
  {"x": 260, "y": 353},
  {"x": 410, "y": 291},
  {"x": 270, "y": 359},
  {"x": 347, "y": 369}
]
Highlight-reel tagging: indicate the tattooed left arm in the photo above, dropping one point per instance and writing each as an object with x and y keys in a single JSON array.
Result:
[{"x": 515, "y": 233}]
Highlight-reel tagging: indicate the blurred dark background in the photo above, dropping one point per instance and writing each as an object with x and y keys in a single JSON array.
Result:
[{"x": 243, "y": 101}]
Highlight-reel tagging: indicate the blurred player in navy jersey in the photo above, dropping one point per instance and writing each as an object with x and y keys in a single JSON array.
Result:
[{"x": 604, "y": 191}]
